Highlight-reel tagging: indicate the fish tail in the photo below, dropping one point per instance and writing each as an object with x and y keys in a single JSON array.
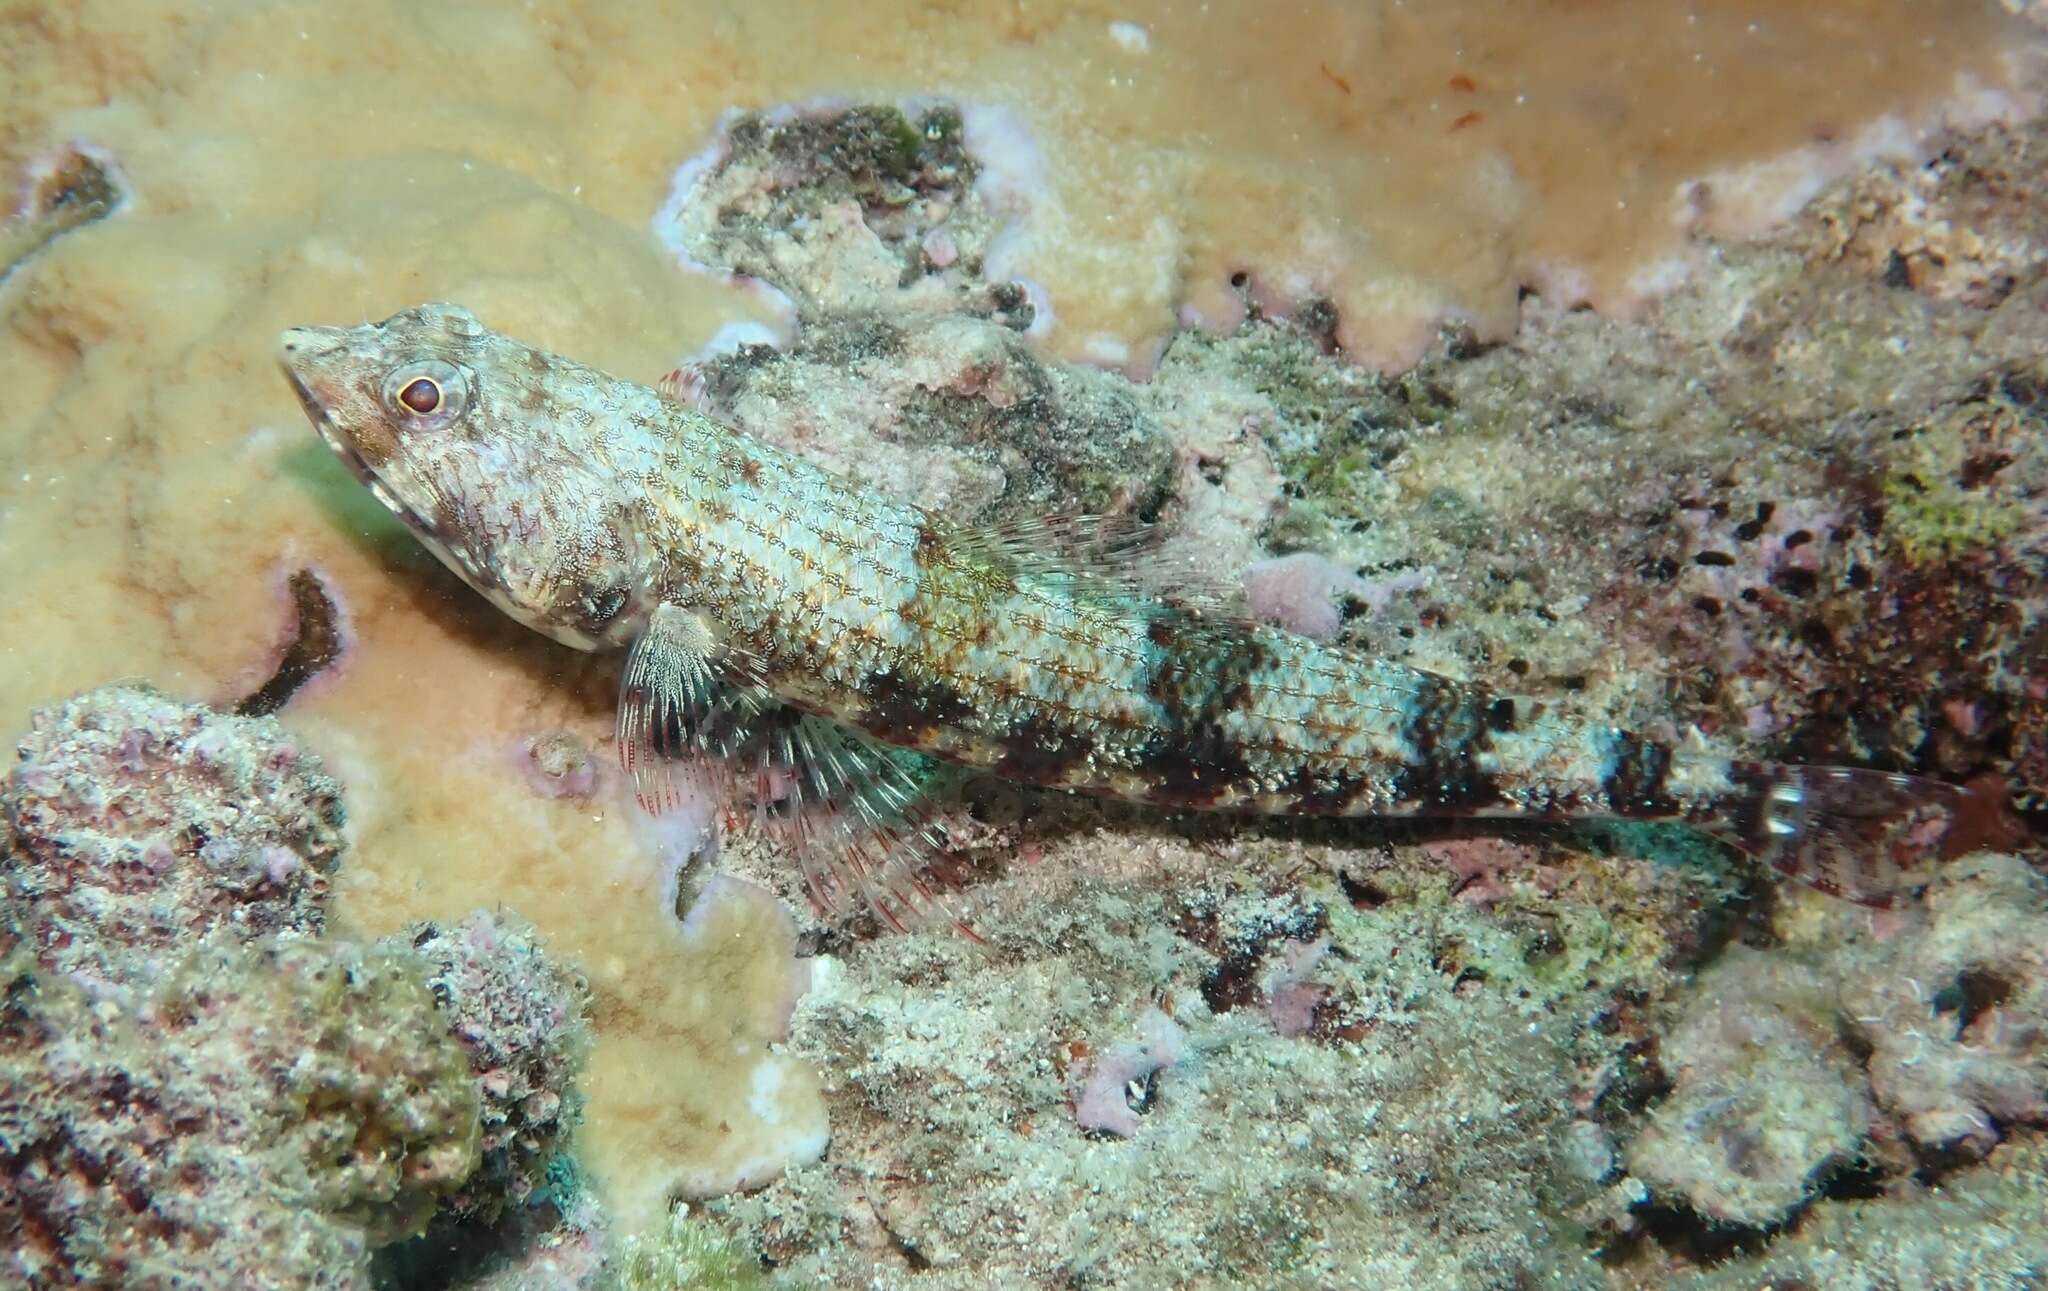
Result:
[{"x": 1867, "y": 836}]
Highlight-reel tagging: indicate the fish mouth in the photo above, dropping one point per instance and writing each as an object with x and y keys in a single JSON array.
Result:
[{"x": 358, "y": 466}]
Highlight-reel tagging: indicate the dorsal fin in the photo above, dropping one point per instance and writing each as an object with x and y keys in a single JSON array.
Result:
[
  {"x": 1107, "y": 559},
  {"x": 675, "y": 386}
]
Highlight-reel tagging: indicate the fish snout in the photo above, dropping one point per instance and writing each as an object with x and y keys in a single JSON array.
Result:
[{"x": 296, "y": 345}]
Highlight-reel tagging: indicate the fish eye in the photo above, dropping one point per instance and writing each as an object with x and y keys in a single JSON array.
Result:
[
  {"x": 422, "y": 395},
  {"x": 427, "y": 395}
]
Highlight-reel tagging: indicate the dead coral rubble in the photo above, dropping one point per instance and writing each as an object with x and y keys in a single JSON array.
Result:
[
  {"x": 196, "y": 1087},
  {"x": 1979, "y": 1227},
  {"x": 1956, "y": 1018},
  {"x": 136, "y": 825},
  {"x": 519, "y": 1019},
  {"x": 1896, "y": 1058},
  {"x": 1115, "y": 1092},
  {"x": 849, "y": 209},
  {"x": 1766, "y": 1100}
]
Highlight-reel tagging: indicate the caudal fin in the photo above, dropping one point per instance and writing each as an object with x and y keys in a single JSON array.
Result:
[{"x": 1868, "y": 836}]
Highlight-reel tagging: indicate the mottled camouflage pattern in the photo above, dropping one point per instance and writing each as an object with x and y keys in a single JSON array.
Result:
[{"x": 579, "y": 503}]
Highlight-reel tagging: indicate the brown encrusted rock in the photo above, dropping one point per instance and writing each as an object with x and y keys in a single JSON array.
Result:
[
  {"x": 1964, "y": 226},
  {"x": 261, "y": 1118},
  {"x": 136, "y": 824},
  {"x": 519, "y": 1018}
]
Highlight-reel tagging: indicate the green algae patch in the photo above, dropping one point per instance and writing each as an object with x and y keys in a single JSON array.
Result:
[
  {"x": 688, "y": 1254},
  {"x": 1936, "y": 522},
  {"x": 1942, "y": 499},
  {"x": 372, "y": 1092}
]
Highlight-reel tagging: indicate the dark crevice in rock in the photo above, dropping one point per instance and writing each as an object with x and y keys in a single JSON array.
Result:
[
  {"x": 1684, "y": 1232},
  {"x": 75, "y": 192},
  {"x": 315, "y": 644}
]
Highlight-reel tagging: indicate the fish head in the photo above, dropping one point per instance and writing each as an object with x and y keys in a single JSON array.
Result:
[{"x": 491, "y": 452}]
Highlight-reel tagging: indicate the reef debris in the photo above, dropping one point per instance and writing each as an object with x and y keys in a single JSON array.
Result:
[
  {"x": 65, "y": 190},
  {"x": 854, "y": 208},
  {"x": 199, "y": 1087},
  {"x": 520, "y": 1019},
  {"x": 1853, "y": 1062},
  {"x": 138, "y": 825},
  {"x": 1766, "y": 1101}
]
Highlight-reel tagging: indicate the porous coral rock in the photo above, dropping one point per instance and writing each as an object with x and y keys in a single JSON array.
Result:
[
  {"x": 1914, "y": 1048},
  {"x": 1979, "y": 1227},
  {"x": 1412, "y": 1135},
  {"x": 263, "y": 1116},
  {"x": 520, "y": 1020},
  {"x": 138, "y": 823},
  {"x": 1956, "y": 1014},
  {"x": 151, "y": 496},
  {"x": 196, "y": 1088},
  {"x": 1780, "y": 508},
  {"x": 1766, "y": 1102},
  {"x": 116, "y": 1174},
  {"x": 1377, "y": 234},
  {"x": 1955, "y": 228},
  {"x": 374, "y": 1099},
  {"x": 850, "y": 209}
]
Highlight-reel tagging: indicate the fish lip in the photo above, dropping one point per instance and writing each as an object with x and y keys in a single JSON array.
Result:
[
  {"x": 357, "y": 464},
  {"x": 316, "y": 412}
]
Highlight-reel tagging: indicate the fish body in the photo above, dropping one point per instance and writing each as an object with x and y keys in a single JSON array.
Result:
[{"x": 844, "y": 645}]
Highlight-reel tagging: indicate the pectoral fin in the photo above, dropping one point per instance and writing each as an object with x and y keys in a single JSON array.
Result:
[
  {"x": 857, "y": 815},
  {"x": 674, "y": 707}
]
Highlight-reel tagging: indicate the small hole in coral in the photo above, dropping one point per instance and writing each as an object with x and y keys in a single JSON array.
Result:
[
  {"x": 1363, "y": 894},
  {"x": 1141, "y": 1093},
  {"x": 1975, "y": 993}
]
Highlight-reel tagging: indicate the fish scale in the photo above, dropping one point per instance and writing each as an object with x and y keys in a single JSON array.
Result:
[{"x": 830, "y": 649}]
